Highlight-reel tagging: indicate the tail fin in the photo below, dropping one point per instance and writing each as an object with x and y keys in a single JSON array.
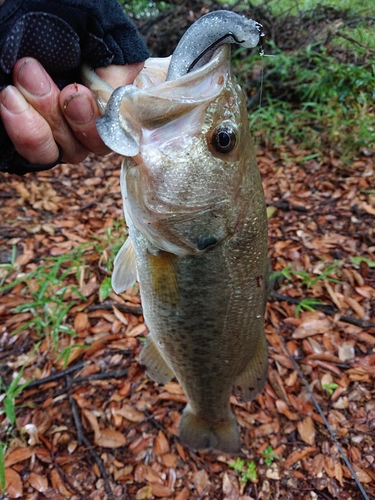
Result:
[{"x": 200, "y": 434}]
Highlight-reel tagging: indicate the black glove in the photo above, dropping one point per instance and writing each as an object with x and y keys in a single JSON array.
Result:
[{"x": 62, "y": 35}]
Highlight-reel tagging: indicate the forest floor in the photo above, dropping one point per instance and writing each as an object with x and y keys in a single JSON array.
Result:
[{"x": 93, "y": 426}]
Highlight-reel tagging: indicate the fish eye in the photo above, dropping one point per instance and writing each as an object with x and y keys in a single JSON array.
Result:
[{"x": 223, "y": 139}]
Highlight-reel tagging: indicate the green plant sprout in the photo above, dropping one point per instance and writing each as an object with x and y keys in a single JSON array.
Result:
[
  {"x": 269, "y": 455},
  {"x": 330, "y": 388},
  {"x": 286, "y": 273},
  {"x": 358, "y": 260},
  {"x": 11, "y": 393},
  {"x": 309, "y": 281},
  {"x": 65, "y": 353},
  {"x": 307, "y": 304},
  {"x": 3, "y": 448},
  {"x": 247, "y": 470},
  {"x": 9, "y": 409}
]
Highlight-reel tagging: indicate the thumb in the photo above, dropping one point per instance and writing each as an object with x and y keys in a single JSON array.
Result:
[{"x": 116, "y": 75}]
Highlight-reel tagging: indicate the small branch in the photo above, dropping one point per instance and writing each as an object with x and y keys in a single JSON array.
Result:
[
  {"x": 78, "y": 380},
  {"x": 77, "y": 420},
  {"x": 286, "y": 206},
  {"x": 330, "y": 310},
  {"x": 352, "y": 40},
  {"x": 124, "y": 308},
  {"x": 100, "y": 376},
  {"x": 82, "y": 439},
  {"x": 64, "y": 477},
  {"x": 56, "y": 376}
]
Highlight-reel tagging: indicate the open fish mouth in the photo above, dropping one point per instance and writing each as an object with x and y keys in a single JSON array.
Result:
[
  {"x": 194, "y": 75},
  {"x": 149, "y": 105}
]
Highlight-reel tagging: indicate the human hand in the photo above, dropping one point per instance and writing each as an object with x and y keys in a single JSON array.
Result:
[{"x": 37, "y": 115}]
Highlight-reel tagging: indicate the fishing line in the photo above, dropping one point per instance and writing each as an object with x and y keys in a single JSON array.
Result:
[
  {"x": 262, "y": 54},
  {"x": 320, "y": 411}
]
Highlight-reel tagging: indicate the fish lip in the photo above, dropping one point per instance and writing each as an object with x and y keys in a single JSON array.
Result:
[{"x": 153, "y": 107}]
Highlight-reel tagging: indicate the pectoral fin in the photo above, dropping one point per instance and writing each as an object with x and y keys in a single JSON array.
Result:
[
  {"x": 125, "y": 268},
  {"x": 251, "y": 380},
  {"x": 156, "y": 368},
  {"x": 163, "y": 276}
]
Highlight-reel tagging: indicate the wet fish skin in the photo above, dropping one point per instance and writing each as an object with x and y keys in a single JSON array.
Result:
[{"x": 198, "y": 227}]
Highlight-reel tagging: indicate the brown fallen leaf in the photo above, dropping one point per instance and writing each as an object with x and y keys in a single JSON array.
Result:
[
  {"x": 277, "y": 385},
  {"x": 283, "y": 408},
  {"x": 144, "y": 493},
  {"x": 312, "y": 324},
  {"x": 230, "y": 486},
  {"x": 120, "y": 316},
  {"x": 363, "y": 476},
  {"x": 339, "y": 474},
  {"x": 81, "y": 322},
  {"x": 306, "y": 430},
  {"x": 201, "y": 481},
  {"x": 110, "y": 438},
  {"x": 184, "y": 494},
  {"x": 159, "y": 490},
  {"x": 130, "y": 413},
  {"x": 13, "y": 483},
  {"x": 58, "y": 484},
  {"x": 169, "y": 460},
  {"x": 18, "y": 455},
  {"x": 38, "y": 482},
  {"x": 356, "y": 306},
  {"x": 298, "y": 455},
  {"x": 161, "y": 444},
  {"x": 140, "y": 329},
  {"x": 267, "y": 429}
]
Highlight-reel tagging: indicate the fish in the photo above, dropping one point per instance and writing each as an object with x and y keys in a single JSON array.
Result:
[{"x": 196, "y": 216}]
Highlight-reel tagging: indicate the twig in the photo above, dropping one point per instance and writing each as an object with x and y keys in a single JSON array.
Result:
[
  {"x": 330, "y": 310},
  {"x": 320, "y": 411},
  {"x": 100, "y": 464},
  {"x": 77, "y": 420},
  {"x": 64, "y": 477},
  {"x": 124, "y": 308},
  {"x": 100, "y": 376},
  {"x": 286, "y": 206},
  {"x": 352, "y": 40},
  {"x": 82, "y": 439},
  {"x": 56, "y": 376}
]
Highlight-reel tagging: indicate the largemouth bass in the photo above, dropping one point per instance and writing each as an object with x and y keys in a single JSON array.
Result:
[{"x": 196, "y": 214}]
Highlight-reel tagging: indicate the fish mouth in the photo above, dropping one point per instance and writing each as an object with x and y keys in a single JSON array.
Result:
[
  {"x": 154, "y": 106},
  {"x": 152, "y": 102}
]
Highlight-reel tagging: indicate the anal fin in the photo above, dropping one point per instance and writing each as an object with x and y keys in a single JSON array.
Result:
[
  {"x": 251, "y": 380},
  {"x": 156, "y": 367}
]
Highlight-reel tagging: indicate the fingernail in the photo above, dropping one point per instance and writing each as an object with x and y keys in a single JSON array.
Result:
[
  {"x": 78, "y": 108},
  {"x": 13, "y": 101},
  {"x": 33, "y": 78}
]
